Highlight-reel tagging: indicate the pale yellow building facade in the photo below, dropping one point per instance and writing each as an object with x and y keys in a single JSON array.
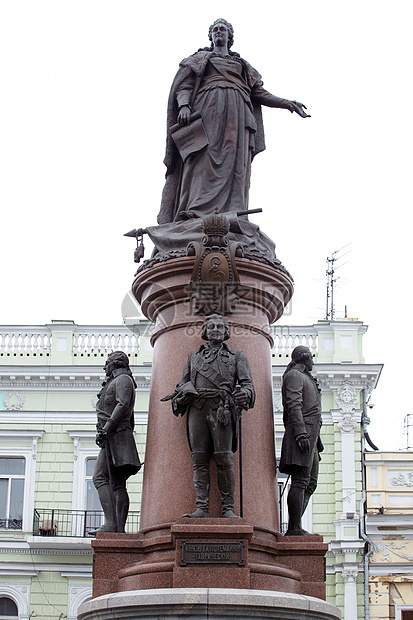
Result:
[{"x": 389, "y": 477}]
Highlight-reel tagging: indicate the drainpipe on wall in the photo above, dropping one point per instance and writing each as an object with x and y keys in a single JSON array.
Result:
[{"x": 364, "y": 421}]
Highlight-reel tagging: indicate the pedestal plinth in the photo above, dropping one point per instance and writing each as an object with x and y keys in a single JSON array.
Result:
[{"x": 208, "y": 553}]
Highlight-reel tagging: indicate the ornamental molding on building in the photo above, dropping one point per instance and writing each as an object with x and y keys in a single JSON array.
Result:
[
  {"x": 350, "y": 574},
  {"x": 278, "y": 405},
  {"x": 333, "y": 553},
  {"x": 59, "y": 549},
  {"x": 348, "y": 495},
  {"x": 347, "y": 422},
  {"x": 13, "y": 401},
  {"x": 346, "y": 417},
  {"x": 337, "y": 377},
  {"x": 40, "y": 381},
  {"x": 83, "y": 418},
  {"x": 327, "y": 417},
  {"x": 337, "y": 569},
  {"x": 20, "y": 594},
  {"x": 77, "y": 594},
  {"x": 346, "y": 398},
  {"x": 345, "y": 547},
  {"x": 404, "y": 479},
  {"x": 385, "y": 552},
  {"x": 61, "y": 379},
  {"x": 333, "y": 377},
  {"x": 79, "y": 437},
  {"x": 13, "y": 436}
]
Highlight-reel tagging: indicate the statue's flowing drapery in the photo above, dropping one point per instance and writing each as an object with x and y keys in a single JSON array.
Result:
[
  {"x": 218, "y": 176},
  {"x": 228, "y": 94}
]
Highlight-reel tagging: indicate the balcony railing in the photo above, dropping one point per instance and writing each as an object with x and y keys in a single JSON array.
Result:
[
  {"x": 24, "y": 340},
  {"x": 11, "y": 524},
  {"x": 287, "y": 337},
  {"x": 74, "y": 523},
  {"x": 104, "y": 340}
]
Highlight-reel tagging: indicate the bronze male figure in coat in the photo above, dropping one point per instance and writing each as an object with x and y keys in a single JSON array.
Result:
[
  {"x": 216, "y": 386},
  {"x": 118, "y": 458},
  {"x": 301, "y": 443}
]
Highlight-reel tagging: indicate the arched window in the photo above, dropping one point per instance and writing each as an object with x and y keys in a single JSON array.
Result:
[{"x": 8, "y": 608}]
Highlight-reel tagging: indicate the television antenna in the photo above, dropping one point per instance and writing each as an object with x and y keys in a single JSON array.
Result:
[
  {"x": 408, "y": 422},
  {"x": 331, "y": 280}
]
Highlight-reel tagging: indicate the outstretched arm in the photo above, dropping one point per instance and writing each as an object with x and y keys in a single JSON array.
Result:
[
  {"x": 263, "y": 97},
  {"x": 299, "y": 108}
]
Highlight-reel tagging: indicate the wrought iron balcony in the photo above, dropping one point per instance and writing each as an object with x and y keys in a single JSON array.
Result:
[
  {"x": 11, "y": 524},
  {"x": 74, "y": 523}
]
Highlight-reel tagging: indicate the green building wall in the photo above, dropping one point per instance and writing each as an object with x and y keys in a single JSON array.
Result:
[{"x": 58, "y": 383}]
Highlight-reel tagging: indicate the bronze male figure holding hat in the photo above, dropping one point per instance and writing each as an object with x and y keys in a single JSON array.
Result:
[{"x": 216, "y": 386}]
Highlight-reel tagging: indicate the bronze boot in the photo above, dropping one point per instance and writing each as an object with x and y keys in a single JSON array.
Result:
[
  {"x": 201, "y": 485},
  {"x": 226, "y": 482}
]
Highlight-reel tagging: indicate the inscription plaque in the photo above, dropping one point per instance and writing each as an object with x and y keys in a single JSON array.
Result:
[{"x": 212, "y": 553}]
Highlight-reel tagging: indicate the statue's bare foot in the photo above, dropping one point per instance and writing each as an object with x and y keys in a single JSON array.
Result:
[{"x": 198, "y": 514}]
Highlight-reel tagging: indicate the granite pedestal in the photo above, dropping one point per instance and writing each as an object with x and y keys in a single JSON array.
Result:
[
  {"x": 182, "y": 555},
  {"x": 172, "y": 556}
]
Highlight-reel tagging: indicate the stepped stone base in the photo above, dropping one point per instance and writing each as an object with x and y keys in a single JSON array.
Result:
[
  {"x": 209, "y": 553},
  {"x": 207, "y": 604}
]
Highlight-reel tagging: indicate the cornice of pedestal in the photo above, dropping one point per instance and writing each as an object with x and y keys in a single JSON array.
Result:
[{"x": 163, "y": 292}]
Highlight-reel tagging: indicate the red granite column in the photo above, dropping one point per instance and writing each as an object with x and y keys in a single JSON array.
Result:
[{"x": 167, "y": 484}]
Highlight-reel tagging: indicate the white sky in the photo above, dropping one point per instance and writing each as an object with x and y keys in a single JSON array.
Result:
[{"x": 84, "y": 86}]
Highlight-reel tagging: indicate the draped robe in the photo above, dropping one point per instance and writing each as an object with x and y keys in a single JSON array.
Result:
[{"x": 228, "y": 93}]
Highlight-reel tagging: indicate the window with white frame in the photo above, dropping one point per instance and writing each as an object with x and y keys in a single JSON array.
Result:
[
  {"x": 17, "y": 478},
  {"x": 85, "y": 453},
  {"x": 404, "y": 612},
  {"x": 94, "y": 516},
  {"x": 91, "y": 495},
  {"x": 85, "y": 498},
  {"x": 12, "y": 478}
]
